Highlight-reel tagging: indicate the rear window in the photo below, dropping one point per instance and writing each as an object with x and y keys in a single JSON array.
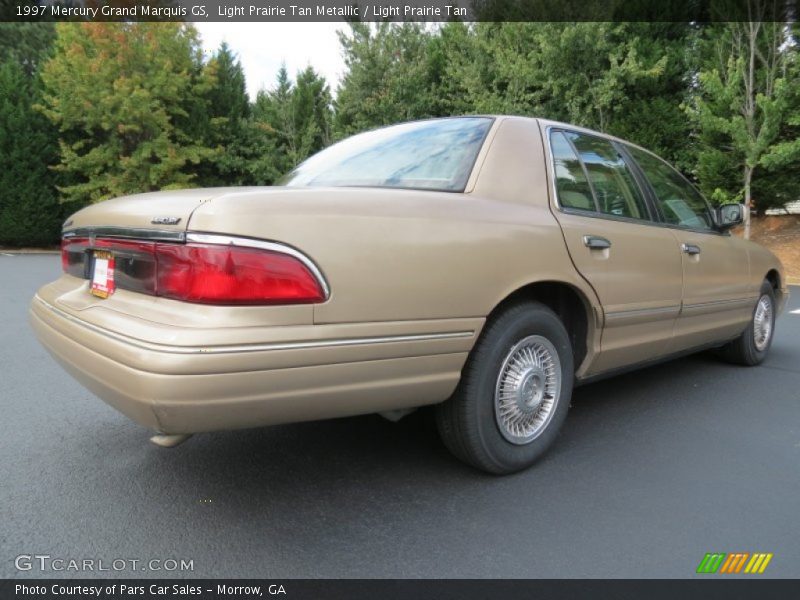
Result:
[{"x": 426, "y": 155}]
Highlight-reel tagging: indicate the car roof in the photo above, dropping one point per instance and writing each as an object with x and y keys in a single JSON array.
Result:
[{"x": 545, "y": 123}]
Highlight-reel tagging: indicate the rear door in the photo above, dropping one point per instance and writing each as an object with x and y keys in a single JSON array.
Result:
[
  {"x": 717, "y": 301},
  {"x": 633, "y": 265}
]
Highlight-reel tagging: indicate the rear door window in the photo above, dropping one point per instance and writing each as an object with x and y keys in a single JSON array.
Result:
[{"x": 615, "y": 188}]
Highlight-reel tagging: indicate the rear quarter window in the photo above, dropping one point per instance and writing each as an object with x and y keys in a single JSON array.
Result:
[{"x": 571, "y": 183}]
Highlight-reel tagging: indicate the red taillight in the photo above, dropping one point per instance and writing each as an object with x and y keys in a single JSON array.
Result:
[
  {"x": 65, "y": 256},
  {"x": 202, "y": 273},
  {"x": 213, "y": 274}
]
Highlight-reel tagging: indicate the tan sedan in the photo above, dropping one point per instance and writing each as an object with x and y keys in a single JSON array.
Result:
[{"x": 482, "y": 264}]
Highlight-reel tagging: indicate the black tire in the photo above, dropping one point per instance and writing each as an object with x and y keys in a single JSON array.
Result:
[
  {"x": 744, "y": 350},
  {"x": 468, "y": 422}
]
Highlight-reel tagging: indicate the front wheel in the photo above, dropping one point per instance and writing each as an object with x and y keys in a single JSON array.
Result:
[
  {"x": 751, "y": 347},
  {"x": 514, "y": 391}
]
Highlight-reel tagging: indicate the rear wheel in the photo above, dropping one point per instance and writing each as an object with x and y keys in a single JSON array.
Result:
[
  {"x": 751, "y": 347},
  {"x": 514, "y": 391}
]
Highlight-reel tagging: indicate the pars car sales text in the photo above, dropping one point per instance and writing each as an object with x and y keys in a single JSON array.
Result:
[{"x": 140, "y": 590}]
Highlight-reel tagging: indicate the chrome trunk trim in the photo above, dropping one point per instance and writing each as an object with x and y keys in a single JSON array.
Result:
[{"x": 126, "y": 233}]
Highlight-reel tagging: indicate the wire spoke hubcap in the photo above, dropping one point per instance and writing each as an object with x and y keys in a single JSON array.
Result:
[
  {"x": 527, "y": 390},
  {"x": 762, "y": 323}
]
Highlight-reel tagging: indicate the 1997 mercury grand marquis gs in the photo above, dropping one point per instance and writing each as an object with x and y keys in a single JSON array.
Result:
[{"x": 483, "y": 264}]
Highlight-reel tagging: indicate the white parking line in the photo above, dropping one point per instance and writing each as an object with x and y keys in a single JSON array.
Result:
[{"x": 795, "y": 312}]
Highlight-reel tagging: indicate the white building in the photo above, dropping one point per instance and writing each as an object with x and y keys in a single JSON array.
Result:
[{"x": 793, "y": 208}]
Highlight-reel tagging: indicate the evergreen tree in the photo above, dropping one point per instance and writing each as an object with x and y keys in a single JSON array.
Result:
[
  {"x": 652, "y": 114},
  {"x": 298, "y": 114},
  {"x": 28, "y": 44},
  {"x": 392, "y": 72},
  {"x": 29, "y": 210},
  {"x": 624, "y": 78},
  {"x": 126, "y": 98},
  {"x": 137, "y": 108},
  {"x": 775, "y": 184},
  {"x": 228, "y": 111},
  {"x": 274, "y": 110},
  {"x": 311, "y": 104},
  {"x": 742, "y": 108},
  {"x": 30, "y": 214},
  {"x": 228, "y": 96}
]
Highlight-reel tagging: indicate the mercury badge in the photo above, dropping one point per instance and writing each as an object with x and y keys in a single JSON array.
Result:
[{"x": 165, "y": 220}]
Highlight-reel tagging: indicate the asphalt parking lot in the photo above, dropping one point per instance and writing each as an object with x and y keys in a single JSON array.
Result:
[{"x": 653, "y": 469}]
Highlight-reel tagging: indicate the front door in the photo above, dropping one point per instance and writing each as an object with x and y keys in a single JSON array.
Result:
[
  {"x": 633, "y": 265},
  {"x": 717, "y": 303}
]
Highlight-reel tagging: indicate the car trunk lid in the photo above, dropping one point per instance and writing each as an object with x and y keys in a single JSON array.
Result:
[{"x": 156, "y": 214}]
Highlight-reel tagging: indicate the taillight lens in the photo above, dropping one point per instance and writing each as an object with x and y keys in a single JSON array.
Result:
[
  {"x": 201, "y": 273},
  {"x": 214, "y": 274}
]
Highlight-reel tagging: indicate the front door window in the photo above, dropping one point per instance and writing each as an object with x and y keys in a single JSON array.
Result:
[{"x": 679, "y": 202}]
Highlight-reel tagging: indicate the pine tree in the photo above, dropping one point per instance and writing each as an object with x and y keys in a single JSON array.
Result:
[
  {"x": 128, "y": 101},
  {"x": 298, "y": 114},
  {"x": 228, "y": 111},
  {"x": 742, "y": 107},
  {"x": 28, "y": 44},
  {"x": 392, "y": 71},
  {"x": 30, "y": 214},
  {"x": 311, "y": 101}
]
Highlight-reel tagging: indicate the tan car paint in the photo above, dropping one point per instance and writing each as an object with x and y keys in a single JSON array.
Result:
[
  {"x": 660, "y": 302},
  {"x": 413, "y": 277},
  {"x": 717, "y": 300},
  {"x": 228, "y": 396},
  {"x": 639, "y": 281},
  {"x": 139, "y": 210}
]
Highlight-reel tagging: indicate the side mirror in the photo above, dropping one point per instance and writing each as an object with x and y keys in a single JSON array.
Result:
[{"x": 729, "y": 215}]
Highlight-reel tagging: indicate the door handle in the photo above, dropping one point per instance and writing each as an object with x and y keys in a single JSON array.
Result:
[
  {"x": 595, "y": 242},
  {"x": 690, "y": 249}
]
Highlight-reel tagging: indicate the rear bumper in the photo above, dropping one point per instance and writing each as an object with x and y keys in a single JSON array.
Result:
[{"x": 178, "y": 388}]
